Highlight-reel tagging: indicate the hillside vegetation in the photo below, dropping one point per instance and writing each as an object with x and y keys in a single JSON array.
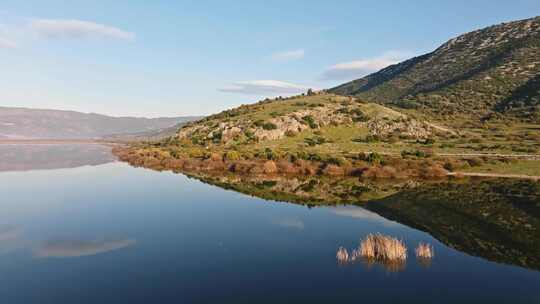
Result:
[
  {"x": 489, "y": 74},
  {"x": 331, "y": 135},
  {"x": 470, "y": 106}
]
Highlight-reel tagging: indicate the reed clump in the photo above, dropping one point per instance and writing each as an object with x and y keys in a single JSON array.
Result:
[
  {"x": 342, "y": 255},
  {"x": 424, "y": 251},
  {"x": 382, "y": 248}
]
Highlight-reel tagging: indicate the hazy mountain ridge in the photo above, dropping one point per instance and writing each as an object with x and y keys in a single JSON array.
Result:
[
  {"x": 25, "y": 123},
  {"x": 485, "y": 72}
]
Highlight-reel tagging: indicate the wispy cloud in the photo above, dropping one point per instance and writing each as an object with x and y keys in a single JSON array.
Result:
[
  {"x": 363, "y": 67},
  {"x": 77, "y": 29},
  {"x": 264, "y": 87},
  {"x": 77, "y": 248},
  {"x": 7, "y": 44},
  {"x": 289, "y": 55}
]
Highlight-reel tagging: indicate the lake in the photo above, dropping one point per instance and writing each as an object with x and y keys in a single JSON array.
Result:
[{"x": 92, "y": 230}]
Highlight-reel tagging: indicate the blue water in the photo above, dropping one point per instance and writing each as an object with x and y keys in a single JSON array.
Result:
[{"x": 115, "y": 234}]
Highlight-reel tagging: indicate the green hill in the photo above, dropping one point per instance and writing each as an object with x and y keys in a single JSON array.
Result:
[
  {"x": 489, "y": 73},
  {"x": 473, "y": 102}
]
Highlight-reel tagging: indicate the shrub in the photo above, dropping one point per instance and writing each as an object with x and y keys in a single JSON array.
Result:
[
  {"x": 367, "y": 139},
  {"x": 338, "y": 161},
  {"x": 429, "y": 141},
  {"x": 313, "y": 141},
  {"x": 374, "y": 158},
  {"x": 269, "y": 126},
  {"x": 290, "y": 133},
  {"x": 475, "y": 162},
  {"x": 314, "y": 157},
  {"x": 310, "y": 121},
  {"x": 270, "y": 155},
  {"x": 232, "y": 155},
  {"x": 216, "y": 137},
  {"x": 196, "y": 153},
  {"x": 416, "y": 153},
  {"x": 258, "y": 123},
  {"x": 270, "y": 167}
]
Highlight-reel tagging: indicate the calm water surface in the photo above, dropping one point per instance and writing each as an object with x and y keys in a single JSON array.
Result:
[{"x": 111, "y": 233}]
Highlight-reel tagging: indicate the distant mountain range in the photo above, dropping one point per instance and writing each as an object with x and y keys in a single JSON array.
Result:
[
  {"x": 489, "y": 73},
  {"x": 24, "y": 123}
]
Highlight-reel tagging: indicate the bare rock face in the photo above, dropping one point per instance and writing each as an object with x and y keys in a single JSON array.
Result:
[
  {"x": 229, "y": 133},
  {"x": 409, "y": 128}
]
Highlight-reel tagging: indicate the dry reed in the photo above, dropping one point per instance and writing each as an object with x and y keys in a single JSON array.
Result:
[
  {"x": 382, "y": 248},
  {"x": 342, "y": 255},
  {"x": 424, "y": 251}
]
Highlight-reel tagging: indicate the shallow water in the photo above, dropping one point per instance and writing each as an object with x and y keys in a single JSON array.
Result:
[{"x": 111, "y": 233}]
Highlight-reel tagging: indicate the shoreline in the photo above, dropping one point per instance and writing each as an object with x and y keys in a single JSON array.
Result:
[{"x": 216, "y": 163}]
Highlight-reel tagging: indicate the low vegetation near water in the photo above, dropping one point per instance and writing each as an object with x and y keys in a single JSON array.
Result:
[{"x": 321, "y": 134}]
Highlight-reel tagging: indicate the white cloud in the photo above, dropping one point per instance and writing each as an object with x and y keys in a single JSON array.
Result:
[
  {"x": 264, "y": 87},
  {"x": 289, "y": 55},
  {"x": 7, "y": 44},
  {"x": 77, "y": 29},
  {"x": 363, "y": 67},
  {"x": 77, "y": 248}
]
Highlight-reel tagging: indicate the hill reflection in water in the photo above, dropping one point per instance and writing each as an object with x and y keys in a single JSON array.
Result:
[{"x": 495, "y": 219}]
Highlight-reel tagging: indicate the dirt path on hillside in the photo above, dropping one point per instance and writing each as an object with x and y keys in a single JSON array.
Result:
[
  {"x": 478, "y": 174},
  {"x": 520, "y": 156},
  {"x": 524, "y": 156}
]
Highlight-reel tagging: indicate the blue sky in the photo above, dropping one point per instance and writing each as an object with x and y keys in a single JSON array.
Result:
[{"x": 168, "y": 58}]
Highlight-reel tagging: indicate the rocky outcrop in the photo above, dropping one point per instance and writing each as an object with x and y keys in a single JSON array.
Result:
[{"x": 379, "y": 120}]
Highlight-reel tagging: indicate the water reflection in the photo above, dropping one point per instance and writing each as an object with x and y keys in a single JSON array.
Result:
[
  {"x": 188, "y": 242},
  {"x": 495, "y": 219},
  {"x": 24, "y": 157},
  {"x": 290, "y": 223},
  {"x": 9, "y": 232},
  {"x": 79, "y": 248},
  {"x": 360, "y": 213}
]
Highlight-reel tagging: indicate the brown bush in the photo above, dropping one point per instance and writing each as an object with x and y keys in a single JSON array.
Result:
[
  {"x": 433, "y": 171},
  {"x": 216, "y": 157},
  {"x": 241, "y": 167},
  {"x": 192, "y": 164},
  {"x": 286, "y": 167},
  {"x": 270, "y": 167},
  {"x": 211, "y": 165},
  {"x": 152, "y": 163},
  {"x": 305, "y": 167},
  {"x": 333, "y": 170},
  {"x": 380, "y": 172},
  {"x": 175, "y": 164}
]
